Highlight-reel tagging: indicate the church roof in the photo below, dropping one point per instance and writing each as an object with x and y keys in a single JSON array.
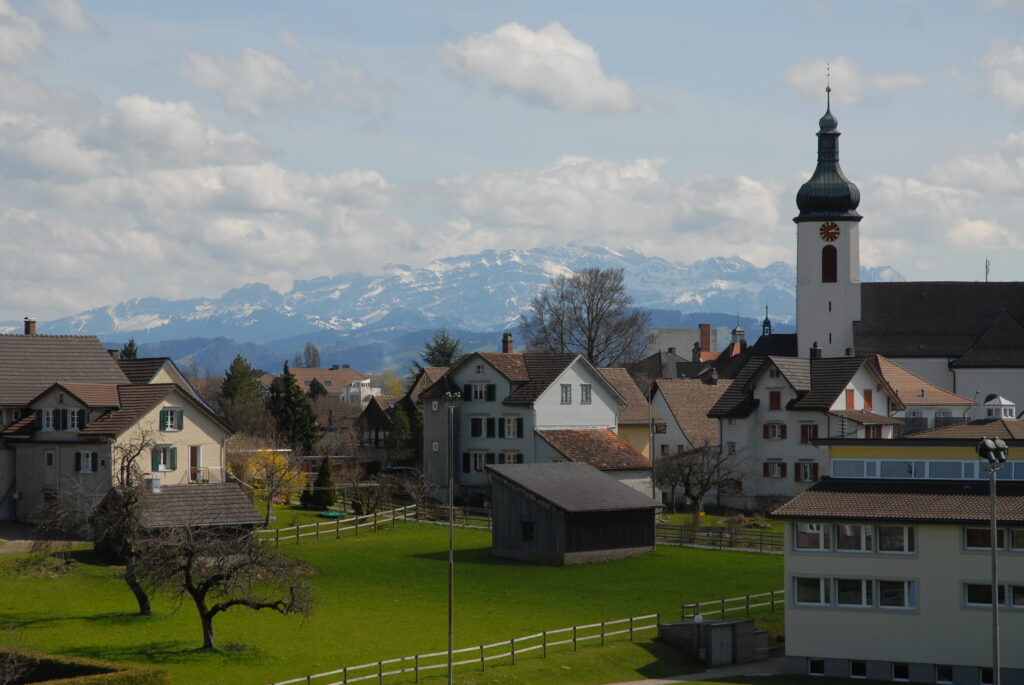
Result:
[
  {"x": 775, "y": 345},
  {"x": 916, "y": 320},
  {"x": 828, "y": 194}
]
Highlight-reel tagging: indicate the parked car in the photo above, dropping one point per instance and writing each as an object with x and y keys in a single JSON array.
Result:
[{"x": 401, "y": 472}]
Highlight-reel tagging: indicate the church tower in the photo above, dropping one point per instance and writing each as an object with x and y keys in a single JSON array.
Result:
[{"x": 828, "y": 252}]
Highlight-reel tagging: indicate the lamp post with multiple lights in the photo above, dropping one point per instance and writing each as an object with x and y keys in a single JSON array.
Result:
[
  {"x": 994, "y": 452},
  {"x": 450, "y": 400}
]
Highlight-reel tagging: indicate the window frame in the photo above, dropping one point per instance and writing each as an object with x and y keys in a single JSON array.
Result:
[
  {"x": 866, "y": 593},
  {"x": 1001, "y": 539},
  {"x": 824, "y": 591},
  {"x": 586, "y": 393},
  {"x": 824, "y": 536},
  {"x": 774, "y": 400},
  {"x": 909, "y": 594},
  {"x": 866, "y": 538},
  {"x": 478, "y": 391},
  {"x": 909, "y": 540},
  {"x": 566, "y": 393}
]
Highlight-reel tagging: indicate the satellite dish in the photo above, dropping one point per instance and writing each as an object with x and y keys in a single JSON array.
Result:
[{"x": 699, "y": 618}]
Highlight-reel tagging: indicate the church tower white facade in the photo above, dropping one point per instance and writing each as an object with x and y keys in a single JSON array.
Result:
[{"x": 828, "y": 253}]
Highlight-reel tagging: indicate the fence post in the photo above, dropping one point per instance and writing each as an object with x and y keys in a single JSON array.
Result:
[
  {"x": 344, "y": 673},
  {"x": 659, "y": 623},
  {"x": 374, "y": 521},
  {"x": 416, "y": 668},
  {"x": 317, "y": 531},
  {"x": 277, "y": 538},
  {"x": 337, "y": 528},
  {"x": 574, "y": 638},
  {"x": 630, "y": 628},
  {"x": 380, "y": 672},
  {"x": 680, "y": 535},
  {"x": 545, "y": 644},
  {"x": 723, "y": 607},
  {"x": 357, "y": 526},
  {"x": 483, "y": 662},
  {"x": 392, "y": 518},
  {"x": 309, "y": 679},
  {"x": 296, "y": 535},
  {"x": 602, "y": 632},
  {"x": 513, "y": 651},
  {"x": 748, "y": 605}
]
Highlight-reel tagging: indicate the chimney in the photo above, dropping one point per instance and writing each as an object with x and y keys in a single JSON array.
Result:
[
  {"x": 671, "y": 350},
  {"x": 705, "y": 337},
  {"x": 334, "y": 367},
  {"x": 714, "y": 377},
  {"x": 506, "y": 343},
  {"x": 153, "y": 485},
  {"x": 345, "y": 366},
  {"x": 815, "y": 351},
  {"x": 695, "y": 354},
  {"x": 30, "y": 326},
  {"x": 114, "y": 354}
]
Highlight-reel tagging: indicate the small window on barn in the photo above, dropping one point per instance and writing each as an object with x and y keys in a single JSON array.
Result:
[{"x": 528, "y": 531}]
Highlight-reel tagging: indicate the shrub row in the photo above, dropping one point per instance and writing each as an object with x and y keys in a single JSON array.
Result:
[{"x": 66, "y": 670}]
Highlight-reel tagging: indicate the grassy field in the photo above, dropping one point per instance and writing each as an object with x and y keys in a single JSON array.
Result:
[{"x": 379, "y": 596}]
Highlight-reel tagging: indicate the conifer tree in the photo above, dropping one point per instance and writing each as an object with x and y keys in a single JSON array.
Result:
[
  {"x": 293, "y": 413},
  {"x": 130, "y": 350},
  {"x": 323, "y": 487},
  {"x": 241, "y": 398}
]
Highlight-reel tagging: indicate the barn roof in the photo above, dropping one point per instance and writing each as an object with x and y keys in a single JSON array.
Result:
[
  {"x": 573, "y": 487},
  {"x": 598, "y": 447},
  {"x": 205, "y": 504}
]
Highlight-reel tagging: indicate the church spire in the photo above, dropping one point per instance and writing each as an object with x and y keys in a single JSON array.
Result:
[{"x": 828, "y": 194}]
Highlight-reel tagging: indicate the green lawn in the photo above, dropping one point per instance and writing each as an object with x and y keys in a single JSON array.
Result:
[
  {"x": 786, "y": 680},
  {"x": 379, "y": 595},
  {"x": 685, "y": 518}
]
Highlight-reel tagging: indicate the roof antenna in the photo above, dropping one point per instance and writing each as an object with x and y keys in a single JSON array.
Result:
[
  {"x": 987, "y": 265},
  {"x": 828, "y": 86}
]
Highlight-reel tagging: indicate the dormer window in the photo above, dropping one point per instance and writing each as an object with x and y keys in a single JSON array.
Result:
[
  {"x": 774, "y": 373},
  {"x": 171, "y": 419}
]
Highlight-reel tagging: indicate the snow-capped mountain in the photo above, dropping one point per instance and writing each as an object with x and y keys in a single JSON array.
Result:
[{"x": 486, "y": 291}]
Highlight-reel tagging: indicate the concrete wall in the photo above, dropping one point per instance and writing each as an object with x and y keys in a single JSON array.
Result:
[
  {"x": 940, "y": 630},
  {"x": 602, "y": 412},
  {"x": 825, "y": 312}
]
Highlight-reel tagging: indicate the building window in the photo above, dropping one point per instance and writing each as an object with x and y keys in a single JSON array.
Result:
[
  {"x": 813, "y": 536},
  {"x": 433, "y": 406},
  {"x": 49, "y": 458},
  {"x": 479, "y": 369},
  {"x": 896, "y": 594},
  {"x": 529, "y": 528},
  {"x": 985, "y": 676},
  {"x": 665, "y": 450},
  {"x": 479, "y": 391},
  {"x": 172, "y": 419},
  {"x": 86, "y": 462},
  {"x": 812, "y": 590},
  {"x": 853, "y": 538},
  {"x": 566, "y": 393},
  {"x": 853, "y": 592},
  {"x": 730, "y": 422},
  {"x": 980, "y": 594},
  {"x": 476, "y": 426},
  {"x": 868, "y": 400},
  {"x": 775, "y": 400},
  {"x": 434, "y": 446},
  {"x": 816, "y": 667},
  {"x": 806, "y": 472},
  {"x": 1017, "y": 539},
  {"x": 774, "y": 431},
  {"x": 48, "y": 419},
  {"x": 896, "y": 539},
  {"x": 1017, "y": 596},
  {"x": 585, "y": 393},
  {"x": 480, "y": 460},
  {"x": 850, "y": 399},
  {"x": 164, "y": 458},
  {"x": 512, "y": 458},
  {"x": 944, "y": 675},
  {"x": 901, "y": 672},
  {"x": 511, "y": 427},
  {"x": 808, "y": 432},
  {"x": 829, "y": 264},
  {"x": 73, "y": 416},
  {"x": 730, "y": 449},
  {"x": 774, "y": 469},
  {"x": 872, "y": 432},
  {"x": 981, "y": 538},
  {"x": 774, "y": 372},
  {"x": 858, "y": 669}
]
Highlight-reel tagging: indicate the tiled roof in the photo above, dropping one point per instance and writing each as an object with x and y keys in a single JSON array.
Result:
[
  {"x": 205, "y": 504},
  {"x": 867, "y": 418},
  {"x": 93, "y": 394},
  {"x": 31, "y": 363},
  {"x": 133, "y": 401},
  {"x": 511, "y": 365},
  {"x": 541, "y": 372},
  {"x": 932, "y": 319},
  {"x": 1001, "y": 345},
  {"x": 690, "y": 401},
  {"x": 1008, "y": 429},
  {"x": 600, "y": 448},
  {"x": 896, "y": 500},
  {"x": 736, "y": 401},
  {"x": 441, "y": 387},
  {"x": 914, "y": 390},
  {"x": 636, "y": 411},
  {"x": 573, "y": 487},
  {"x": 434, "y": 372},
  {"x": 796, "y": 371},
  {"x": 383, "y": 402},
  {"x": 829, "y": 378},
  {"x": 335, "y": 380},
  {"x": 25, "y": 427},
  {"x": 774, "y": 345},
  {"x": 143, "y": 369}
]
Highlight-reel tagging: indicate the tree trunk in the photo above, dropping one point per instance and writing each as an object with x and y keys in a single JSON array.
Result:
[
  {"x": 140, "y": 593},
  {"x": 207, "y": 620},
  {"x": 672, "y": 494},
  {"x": 270, "y": 508},
  {"x": 697, "y": 506}
]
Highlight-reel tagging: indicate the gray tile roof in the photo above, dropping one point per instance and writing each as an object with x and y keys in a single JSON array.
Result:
[
  {"x": 204, "y": 504},
  {"x": 31, "y": 363},
  {"x": 143, "y": 369},
  {"x": 573, "y": 487},
  {"x": 598, "y": 447}
]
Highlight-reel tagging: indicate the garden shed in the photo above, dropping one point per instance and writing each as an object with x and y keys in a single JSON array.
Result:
[{"x": 567, "y": 513}]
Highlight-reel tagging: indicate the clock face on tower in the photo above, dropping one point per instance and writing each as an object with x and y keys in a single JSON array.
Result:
[{"x": 828, "y": 231}]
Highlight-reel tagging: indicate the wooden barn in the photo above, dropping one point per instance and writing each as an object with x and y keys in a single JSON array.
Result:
[{"x": 566, "y": 513}]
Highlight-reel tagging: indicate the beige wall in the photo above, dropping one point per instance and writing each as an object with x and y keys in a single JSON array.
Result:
[
  {"x": 941, "y": 630},
  {"x": 198, "y": 430},
  {"x": 639, "y": 438}
]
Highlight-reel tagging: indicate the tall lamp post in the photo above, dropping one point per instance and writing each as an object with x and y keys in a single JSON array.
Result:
[
  {"x": 994, "y": 452},
  {"x": 450, "y": 400}
]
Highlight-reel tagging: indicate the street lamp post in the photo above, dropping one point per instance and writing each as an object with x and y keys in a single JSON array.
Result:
[
  {"x": 450, "y": 400},
  {"x": 994, "y": 451}
]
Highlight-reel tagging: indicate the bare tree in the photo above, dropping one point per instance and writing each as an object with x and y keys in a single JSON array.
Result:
[
  {"x": 587, "y": 313},
  {"x": 220, "y": 568},
  {"x": 417, "y": 488},
  {"x": 275, "y": 473},
  {"x": 698, "y": 471},
  {"x": 367, "y": 495},
  {"x": 15, "y": 660}
]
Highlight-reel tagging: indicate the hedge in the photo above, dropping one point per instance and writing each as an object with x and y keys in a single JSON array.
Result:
[{"x": 66, "y": 670}]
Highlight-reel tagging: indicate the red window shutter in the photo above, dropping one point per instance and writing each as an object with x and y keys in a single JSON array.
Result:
[
  {"x": 765, "y": 431},
  {"x": 764, "y": 469},
  {"x": 814, "y": 472},
  {"x": 814, "y": 431},
  {"x": 849, "y": 399},
  {"x": 804, "y": 433},
  {"x": 796, "y": 472},
  {"x": 774, "y": 399},
  {"x": 867, "y": 400},
  {"x": 782, "y": 469},
  {"x": 782, "y": 431}
]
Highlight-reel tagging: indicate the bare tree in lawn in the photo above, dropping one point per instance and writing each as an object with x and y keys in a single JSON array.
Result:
[
  {"x": 367, "y": 495},
  {"x": 587, "y": 313},
  {"x": 221, "y": 568},
  {"x": 703, "y": 468}
]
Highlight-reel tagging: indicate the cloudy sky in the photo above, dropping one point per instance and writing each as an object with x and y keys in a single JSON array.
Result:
[{"x": 179, "y": 149}]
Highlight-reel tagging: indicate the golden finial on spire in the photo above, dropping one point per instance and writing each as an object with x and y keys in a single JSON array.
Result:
[{"x": 828, "y": 85}]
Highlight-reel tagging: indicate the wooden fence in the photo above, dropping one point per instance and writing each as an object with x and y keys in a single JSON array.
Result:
[
  {"x": 755, "y": 540},
  {"x": 338, "y": 526},
  {"x": 722, "y": 607},
  {"x": 481, "y": 654}
]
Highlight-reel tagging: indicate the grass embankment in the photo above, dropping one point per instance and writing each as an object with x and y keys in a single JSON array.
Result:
[{"x": 379, "y": 596}]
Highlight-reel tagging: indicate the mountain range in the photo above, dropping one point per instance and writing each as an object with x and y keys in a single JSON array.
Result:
[{"x": 475, "y": 295}]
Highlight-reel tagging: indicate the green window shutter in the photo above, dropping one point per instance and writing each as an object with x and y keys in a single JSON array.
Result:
[
  {"x": 501, "y": 427},
  {"x": 63, "y": 419},
  {"x": 39, "y": 419},
  {"x": 490, "y": 457},
  {"x": 475, "y": 428},
  {"x": 490, "y": 427},
  {"x": 174, "y": 458},
  {"x": 163, "y": 419},
  {"x": 519, "y": 427},
  {"x": 492, "y": 392},
  {"x": 81, "y": 419},
  {"x": 465, "y": 462},
  {"x": 156, "y": 459},
  {"x": 78, "y": 461},
  {"x": 467, "y": 392},
  {"x": 95, "y": 461},
  {"x": 181, "y": 419}
]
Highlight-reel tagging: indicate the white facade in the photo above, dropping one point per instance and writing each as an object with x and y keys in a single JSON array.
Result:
[{"x": 825, "y": 311}]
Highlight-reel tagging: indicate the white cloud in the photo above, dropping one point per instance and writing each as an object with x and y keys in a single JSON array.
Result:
[
  {"x": 31, "y": 145},
  {"x": 253, "y": 82},
  {"x": 850, "y": 85},
  {"x": 1000, "y": 171},
  {"x": 70, "y": 17},
  {"x": 1005, "y": 66},
  {"x": 549, "y": 67},
  {"x": 21, "y": 38}
]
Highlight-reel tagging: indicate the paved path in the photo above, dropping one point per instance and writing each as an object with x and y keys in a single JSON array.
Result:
[
  {"x": 774, "y": 666},
  {"x": 15, "y": 537}
]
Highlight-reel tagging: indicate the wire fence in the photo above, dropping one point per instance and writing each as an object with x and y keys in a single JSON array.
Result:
[
  {"x": 334, "y": 529},
  {"x": 754, "y": 540}
]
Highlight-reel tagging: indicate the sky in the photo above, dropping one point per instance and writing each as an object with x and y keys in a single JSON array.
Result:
[{"x": 180, "y": 149}]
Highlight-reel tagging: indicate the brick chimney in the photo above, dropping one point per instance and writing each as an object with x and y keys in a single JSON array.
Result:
[
  {"x": 30, "y": 326},
  {"x": 506, "y": 343},
  {"x": 705, "y": 337}
]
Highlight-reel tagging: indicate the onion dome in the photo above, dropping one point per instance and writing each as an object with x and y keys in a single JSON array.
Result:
[{"x": 828, "y": 194}]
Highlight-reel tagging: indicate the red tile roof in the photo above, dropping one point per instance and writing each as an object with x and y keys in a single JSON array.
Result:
[
  {"x": 914, "y": 390},
  {"x": 637, "y": 411},
  {"x": 332, "y": 379},
  {"x": 143, "y": 369},
  {"x": 31, "y": 363},
  {"x": 1007, "y": 429},
  {"x": 867, "y": 418},
  {"x": 690, "y": 400},
  {"x": 89, "y": 394},
  {"x": 601, "y": 448}
]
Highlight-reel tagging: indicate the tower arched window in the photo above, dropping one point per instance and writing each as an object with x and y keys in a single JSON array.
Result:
[{"x": 829, "y": 264}]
